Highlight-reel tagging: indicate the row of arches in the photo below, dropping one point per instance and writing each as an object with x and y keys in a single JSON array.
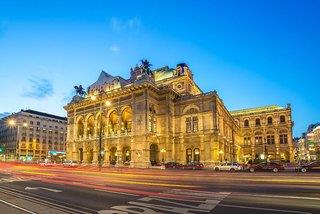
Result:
[
  {"x": 112, "y": 123},
  {"x": 246, "y": 123}
]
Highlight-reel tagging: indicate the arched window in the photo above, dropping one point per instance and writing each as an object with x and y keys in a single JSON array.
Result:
[
  {"x": 80, "y": 128},
  {"x": 90, "y": 126},
  {"x": 126, "y": 118},
  {"x": 246, "y": 123},
  {"x": 113, "y": 122},
  {"x": 258, "y": 122},
  {"x": 282, "y": 119},
  {"x": 101, "y": 124},
  {"x": 269, "y": 120}
]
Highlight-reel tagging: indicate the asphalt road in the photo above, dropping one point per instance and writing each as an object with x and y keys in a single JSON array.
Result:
[{"x": 35, "y": 189}]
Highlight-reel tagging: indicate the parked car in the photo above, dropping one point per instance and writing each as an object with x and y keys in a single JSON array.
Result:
[
  {"x": 313, "y": 166},
  {"x": 45, "y": 163},
  {"x": 70, "y": 163},
  {"x": 267, "y": 166},
  {"x": 193, "y": 165},
  {"x": 228, "y": 167},
  {"x": 173, "y": 165}
]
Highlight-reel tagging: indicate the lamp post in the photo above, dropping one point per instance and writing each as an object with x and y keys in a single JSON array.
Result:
[
  {"x": 101, "y": 127},
  {"x": 163, "y": 151},
  {"x": 12, "y": 123},
  {"x": 220, "y": 154}
]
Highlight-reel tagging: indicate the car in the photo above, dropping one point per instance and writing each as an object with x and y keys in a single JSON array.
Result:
[
  {"x": 172, "y": 165},
  {"x": 266, "y": 166},
  {"x": 228, "y": 167},
  {"x": 193, "y": 165},
  {"x": 70, "y": 163},
  {"x": 45, "y": 163},
  {"x": 313, "y": 166}
]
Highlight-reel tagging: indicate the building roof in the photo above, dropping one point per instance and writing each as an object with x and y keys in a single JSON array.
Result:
[
  {"x": 256, "y": 110},
  {"x": 44, "y": 114}
]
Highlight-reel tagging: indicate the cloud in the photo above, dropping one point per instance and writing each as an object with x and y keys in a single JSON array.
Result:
[
  {"x": 40, "y": 88},
  {"x": 114, "y": 48},
  {"x": 4, "y": 114},
  {"x": 119, "y": 25}
]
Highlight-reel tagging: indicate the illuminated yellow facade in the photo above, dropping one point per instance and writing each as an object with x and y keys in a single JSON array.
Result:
[
  {"x": 153, "y": 117},
  {"x": 266, "y": 132}
]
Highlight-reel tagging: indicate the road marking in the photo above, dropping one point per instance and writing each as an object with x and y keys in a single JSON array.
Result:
[
  {"x": 264, "y": 209},
  {"x": 151, "y": 205},
  {"x": 44, "y": 201},
  {"x": 284, "y": 196},
  {"x": 48, "y": 189},
  {"x": 121, "y": 193},
  {"x": 17, "y": 207}
]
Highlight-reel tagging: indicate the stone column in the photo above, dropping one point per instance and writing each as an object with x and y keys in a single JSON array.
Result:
[{"x": 95, "y": 160}]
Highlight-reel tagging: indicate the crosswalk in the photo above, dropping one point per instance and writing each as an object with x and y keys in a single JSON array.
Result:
[{"x": 183, "y": 201}]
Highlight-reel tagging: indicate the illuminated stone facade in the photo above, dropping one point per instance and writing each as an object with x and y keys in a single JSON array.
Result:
[
  {"x": 154, "y": 116},
  {"x": 267, "y": 133},
  {"x": 30, "y": 134}
]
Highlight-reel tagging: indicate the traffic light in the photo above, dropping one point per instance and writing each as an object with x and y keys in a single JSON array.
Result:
[{"x": 1, "y": 149}]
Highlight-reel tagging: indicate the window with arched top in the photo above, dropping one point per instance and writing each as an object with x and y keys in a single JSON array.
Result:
[
  {"x": 101, "y": 123},
  {"x": 246, "y": 123},
  {"x": 269, "y": 120},
  {"x": 113, "y": 122},
  {"x": 258, "y": 122},
  {"x": 80, "y": 128},
  {"x": 282, "y": 119},
  {"x": 90, "y": 126},
  {"x": 126, "y": 119}
]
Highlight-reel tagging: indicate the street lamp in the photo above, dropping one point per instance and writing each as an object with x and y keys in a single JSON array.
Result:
[
  {"x": 12, "y": 123},
  {"x": 163, "y": 151},
  {"x": 101, "y": 126},
  {"x": 220, "y": 154}
]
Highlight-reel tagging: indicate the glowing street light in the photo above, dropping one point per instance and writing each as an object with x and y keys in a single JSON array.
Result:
[
  {"x": 163, "y": 150},
  {"x": 11, "y": 122}
]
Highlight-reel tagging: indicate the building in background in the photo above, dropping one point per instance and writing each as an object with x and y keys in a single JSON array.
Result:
[
  {"x": 266, "y": 132},
  {"x": 309, "y": 144},
  {"x": 162, "y": 115},
  {"x": 30, "y": 135}
]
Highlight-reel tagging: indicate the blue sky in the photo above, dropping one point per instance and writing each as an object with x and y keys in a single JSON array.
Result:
[{"x": 253, "y": 53}]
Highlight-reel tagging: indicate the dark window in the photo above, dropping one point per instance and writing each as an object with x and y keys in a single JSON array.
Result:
[
  {"x": 282, "y": 119},
  {"x": 270, "y": 139},
  {"x": 269, "y": 120},
  {"x": 258, "y": 123},
  {"x": 283, "y": 139},
  {"x": 246, "y": 123}
]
